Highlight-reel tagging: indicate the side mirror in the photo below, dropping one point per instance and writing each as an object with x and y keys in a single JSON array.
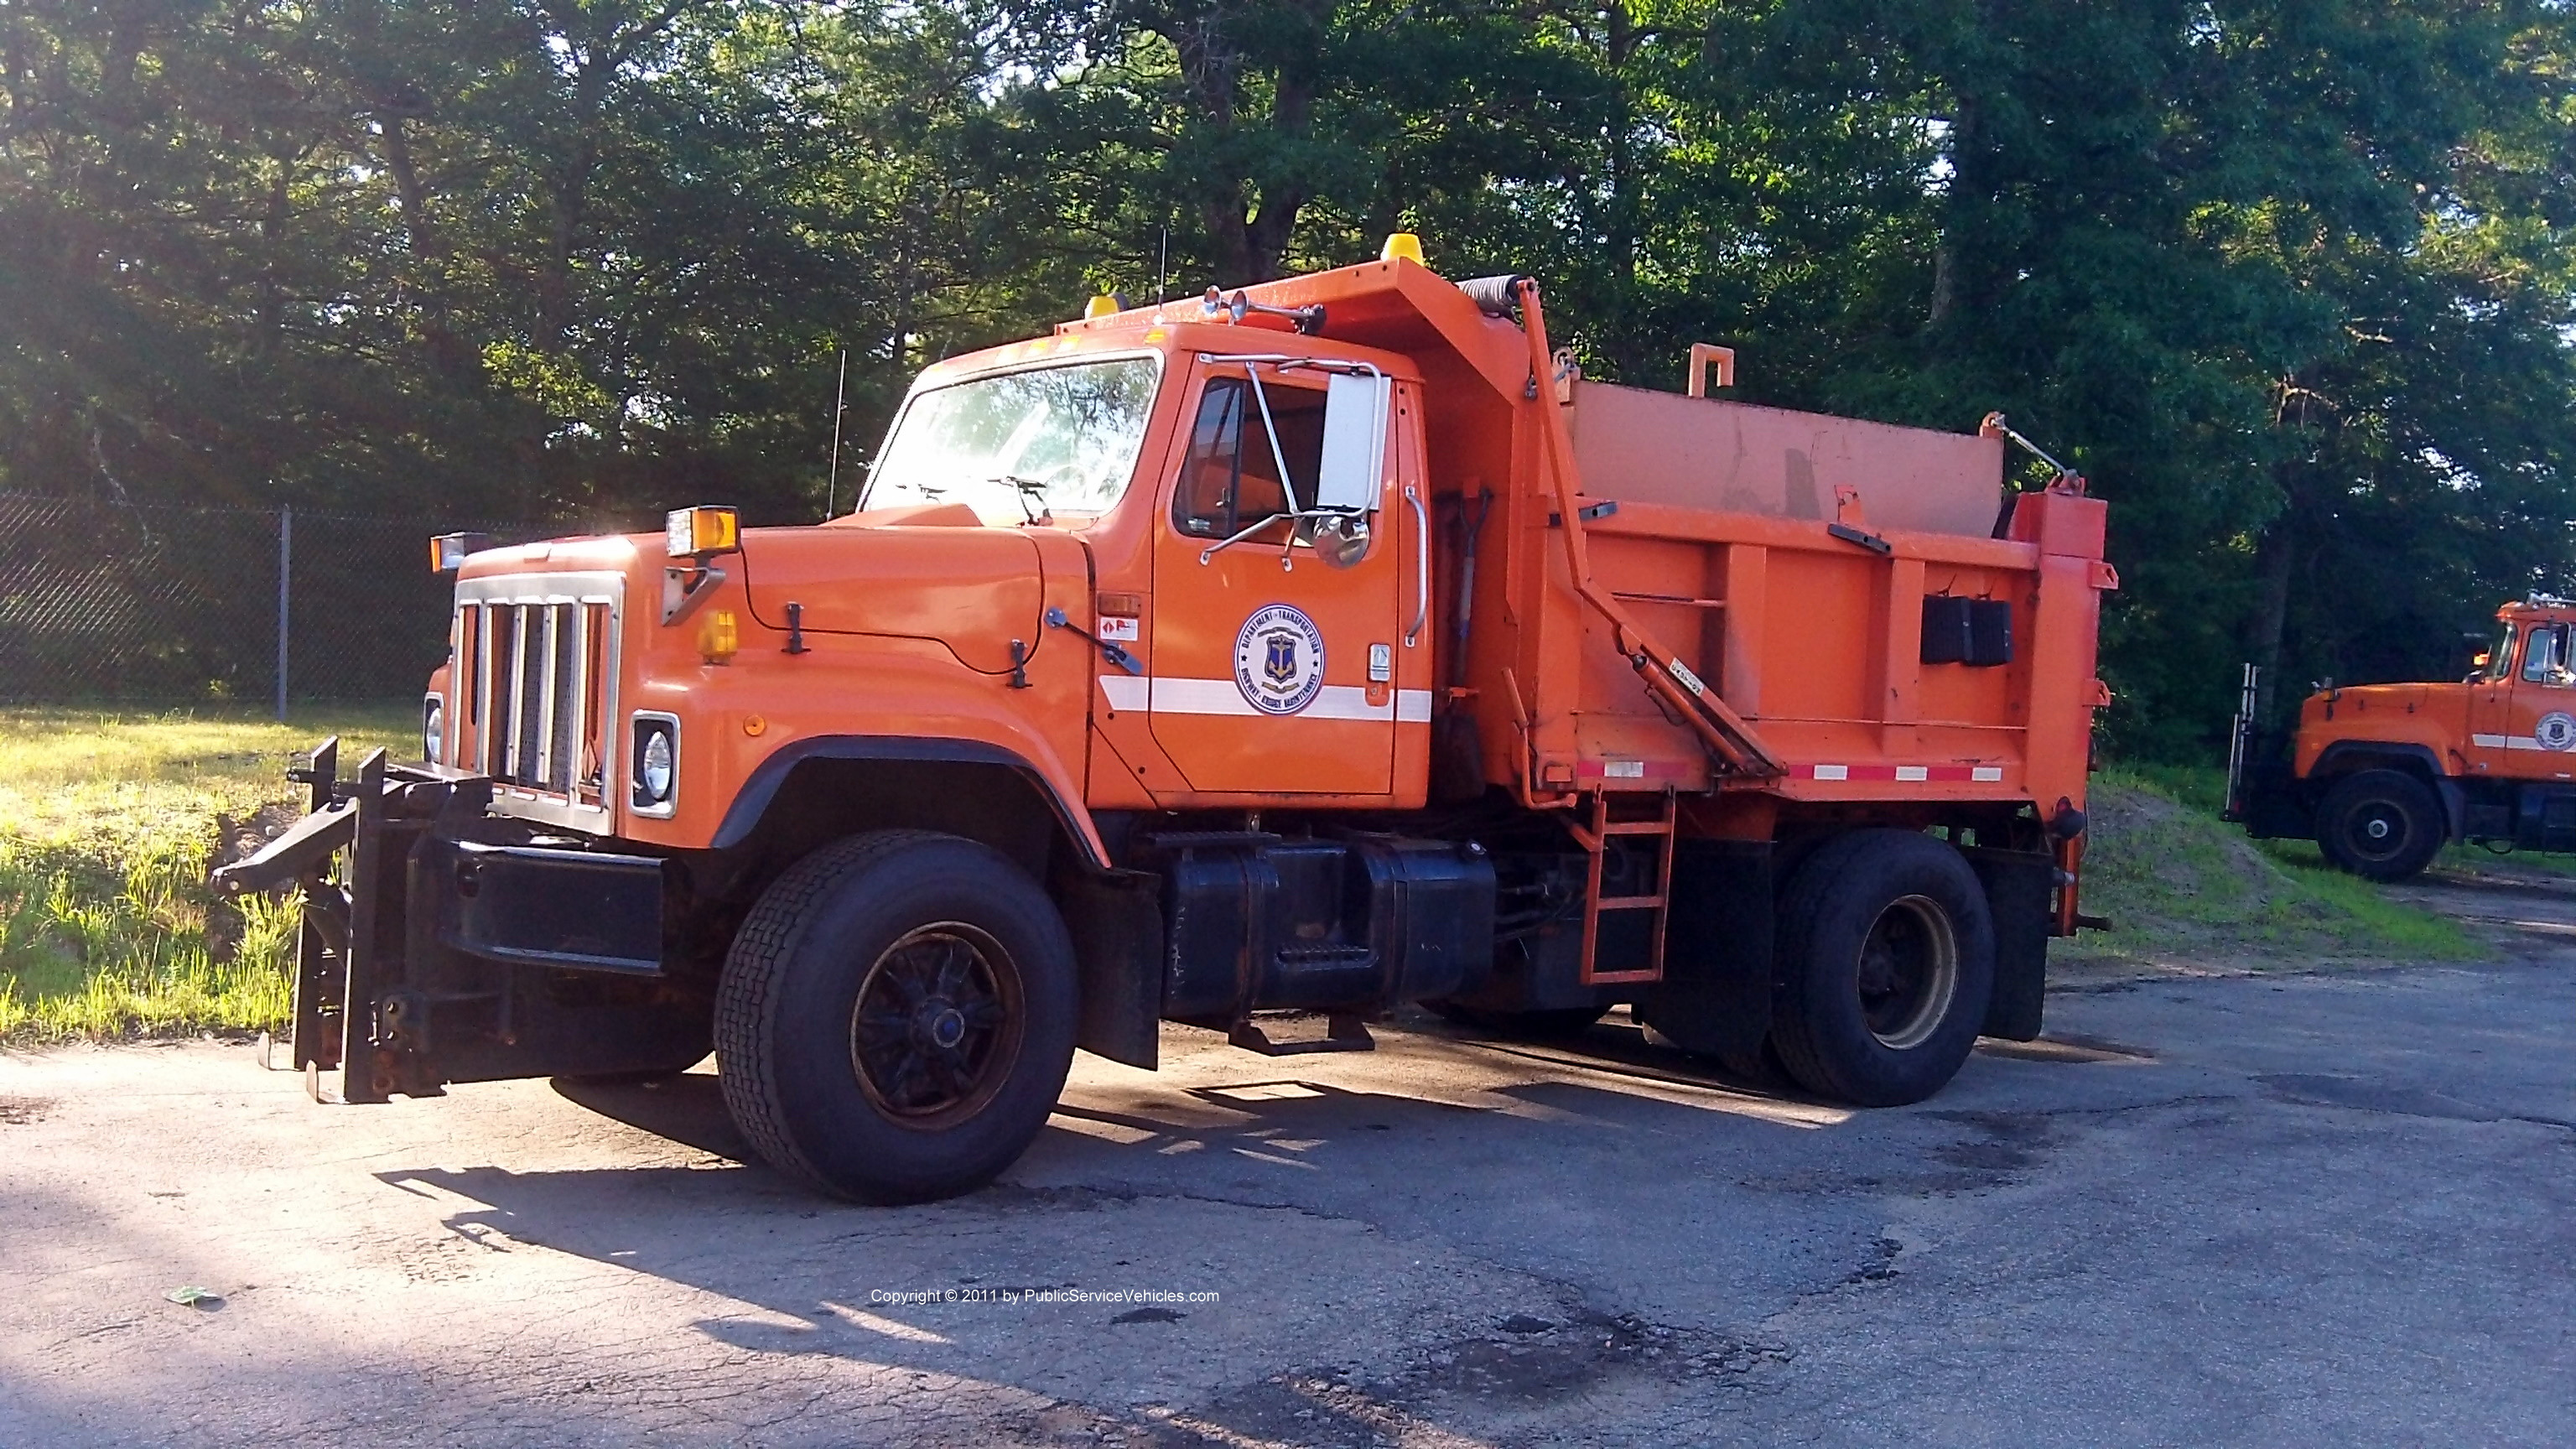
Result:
[{"x": 1354, "y": 458}]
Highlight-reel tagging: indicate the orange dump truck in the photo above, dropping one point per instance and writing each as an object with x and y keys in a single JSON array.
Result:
[
  {"x": 2382, "y": 776},
  {"x": 1253, "y": 663}
]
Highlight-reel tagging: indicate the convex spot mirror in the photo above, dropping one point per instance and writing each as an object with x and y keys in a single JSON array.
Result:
[{"x": 1354, "y": 458}]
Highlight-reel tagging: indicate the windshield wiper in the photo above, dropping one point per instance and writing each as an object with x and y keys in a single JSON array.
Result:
[{"x": 1027, "y": 488}]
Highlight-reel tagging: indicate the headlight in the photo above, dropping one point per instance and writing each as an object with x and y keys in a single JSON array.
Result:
[
  {"x": 657, "y": 763},
  {"x": 433, "y": 730}
]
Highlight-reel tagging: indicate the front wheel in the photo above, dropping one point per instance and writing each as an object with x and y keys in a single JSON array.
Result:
[
  {"x": 2380, "y": 825},
  {"x": 1887, "y": 958},
  {"x": 897, "y": 1017}
]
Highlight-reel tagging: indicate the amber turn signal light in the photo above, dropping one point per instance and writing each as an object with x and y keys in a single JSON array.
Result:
[
  {"x": 719, "y": 637},
  {"x": 702, "y": 532},
  {"x": 447, "y": 551}
]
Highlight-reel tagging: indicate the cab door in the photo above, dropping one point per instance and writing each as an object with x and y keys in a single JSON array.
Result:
[
  {"x": 1275, "y": 643},
  {"x": 2540, "y": 737},
  {"x": 2491, "y": 707}
]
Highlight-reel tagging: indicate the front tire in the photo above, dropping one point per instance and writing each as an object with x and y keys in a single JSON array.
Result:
[
  {"x": 897, "y": 1017},
  {"x": 2380, "y": 825},
  {"x": 1887, "y": 958}
]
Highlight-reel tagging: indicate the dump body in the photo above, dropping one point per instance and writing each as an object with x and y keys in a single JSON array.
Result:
[
  {"x": 2382, "y": 775},
  {"x": 1722, "y": 544},
  {"x": 1324, "y": 647}
]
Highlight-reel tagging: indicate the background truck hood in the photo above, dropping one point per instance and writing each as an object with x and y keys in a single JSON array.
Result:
[
  {"x": 972, "y": 589},
  {"x": 2392, "y": 698}
]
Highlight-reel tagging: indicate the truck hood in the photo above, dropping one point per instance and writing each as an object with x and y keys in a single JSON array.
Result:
[
  {"x": 972, "y": 589},
  {"x": 2389, "y": 699}
]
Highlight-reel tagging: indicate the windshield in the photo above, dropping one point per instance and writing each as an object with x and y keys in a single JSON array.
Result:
[{"x": 1022, "y": 446}]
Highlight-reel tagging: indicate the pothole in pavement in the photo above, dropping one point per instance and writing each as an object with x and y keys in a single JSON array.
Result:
[
  {"x": 2358, "y": 1095},
  {"x": 24, "y": 1111},
  {"x": 1524, "y": 1367},
  {"x": 2008, "y": 1145}
]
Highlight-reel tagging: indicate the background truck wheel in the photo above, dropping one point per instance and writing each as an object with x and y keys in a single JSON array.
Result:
[
  {"x": 897, "y": 1017},
  {"x": 1887, "y": 955},
  {"x": 2380, "y": 825}
]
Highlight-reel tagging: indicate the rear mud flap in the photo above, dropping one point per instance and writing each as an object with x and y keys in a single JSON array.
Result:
[{"x": 435, "y": 948}]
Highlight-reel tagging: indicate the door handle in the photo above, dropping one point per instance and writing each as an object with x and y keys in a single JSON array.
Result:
[{"x": 1421, "y": 566}]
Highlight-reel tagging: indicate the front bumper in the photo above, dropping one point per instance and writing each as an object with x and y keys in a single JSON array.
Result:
[{"x": 441, "y": 943}]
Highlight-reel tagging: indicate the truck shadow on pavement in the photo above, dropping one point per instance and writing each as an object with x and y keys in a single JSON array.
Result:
[
  {"x": 1351, "y": 1213},
  {"x": 1156, "y": 1183}
]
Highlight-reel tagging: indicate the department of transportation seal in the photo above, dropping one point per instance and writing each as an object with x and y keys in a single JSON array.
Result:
[
  {"x": 1279, "y": 660},
  {"x": 2556, "y": 731}
]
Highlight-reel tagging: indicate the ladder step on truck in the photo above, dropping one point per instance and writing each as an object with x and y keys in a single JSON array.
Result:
[{"x": 1596, "y": 834}]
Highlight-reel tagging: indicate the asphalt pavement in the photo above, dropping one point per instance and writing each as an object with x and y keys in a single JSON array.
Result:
[{"x": 2297, "y": 1207}]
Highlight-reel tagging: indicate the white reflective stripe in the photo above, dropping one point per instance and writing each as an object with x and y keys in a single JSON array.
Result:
[
  {"x": 1913, "y": 772},
  {"x": 1221, "y": 697},
  {"x": 1125, "y": 691},
  {"x": 2487, "y": 742},
  {"x": 1987, "y": 772},
  {"x": 1344, "y": 701},
  {"x": 1833, "y": 772},
  {"x": 1201, "y": 696},
  {"x": 2522, "y": 742}
]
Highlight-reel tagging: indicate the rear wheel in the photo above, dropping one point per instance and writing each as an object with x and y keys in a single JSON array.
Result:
[
  {"x": 897, "y": 1017},
  {"x": 1887, "y": 959},
  {"x": 2380, "y": 825}
]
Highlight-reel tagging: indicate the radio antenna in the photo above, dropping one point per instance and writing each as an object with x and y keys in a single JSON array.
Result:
[{"x": 840, "y": 397}]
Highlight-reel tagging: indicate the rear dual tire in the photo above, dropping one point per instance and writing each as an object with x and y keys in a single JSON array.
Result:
[
  {"x": 896, "y": 1017},
  {"x": 1883, "y": 964}
]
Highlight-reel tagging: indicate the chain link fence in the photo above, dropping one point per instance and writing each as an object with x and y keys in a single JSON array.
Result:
[{"x": 104, "y": 602}]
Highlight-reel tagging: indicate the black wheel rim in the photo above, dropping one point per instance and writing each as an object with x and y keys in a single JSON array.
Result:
[
  {"x": 936, "y": 1028},
  {"x": 1909, "y": 971},
  {"x": 2377, "y": 830}
]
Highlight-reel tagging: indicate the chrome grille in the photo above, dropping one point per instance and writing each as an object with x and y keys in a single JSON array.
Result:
[{"x": 535, "y": 711}]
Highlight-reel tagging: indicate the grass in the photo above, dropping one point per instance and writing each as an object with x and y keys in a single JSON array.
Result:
[
  {"x": 2204, "y": 788},
  {"x": 2177, "y": 882},
  {"x": 109, "y": 822},
  {"x": 108, "y": 825}
]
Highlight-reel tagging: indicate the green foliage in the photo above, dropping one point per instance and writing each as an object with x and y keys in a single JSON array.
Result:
[
  {"x": 2181, "y": 885},
  {"x": 2289, "y": 279},
  {"x": 108, "y": 825}
]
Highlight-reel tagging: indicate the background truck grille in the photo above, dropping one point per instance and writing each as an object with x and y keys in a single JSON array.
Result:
[{"x": 535, "y": 707}]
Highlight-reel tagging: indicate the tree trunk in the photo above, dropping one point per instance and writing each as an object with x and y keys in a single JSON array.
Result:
[
  {"x": 2275, "y": 565},
  {"x": 428, "y": 248}
]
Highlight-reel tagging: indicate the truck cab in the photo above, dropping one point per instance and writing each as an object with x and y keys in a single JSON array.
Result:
[{"x": 2383, "y": 776}]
